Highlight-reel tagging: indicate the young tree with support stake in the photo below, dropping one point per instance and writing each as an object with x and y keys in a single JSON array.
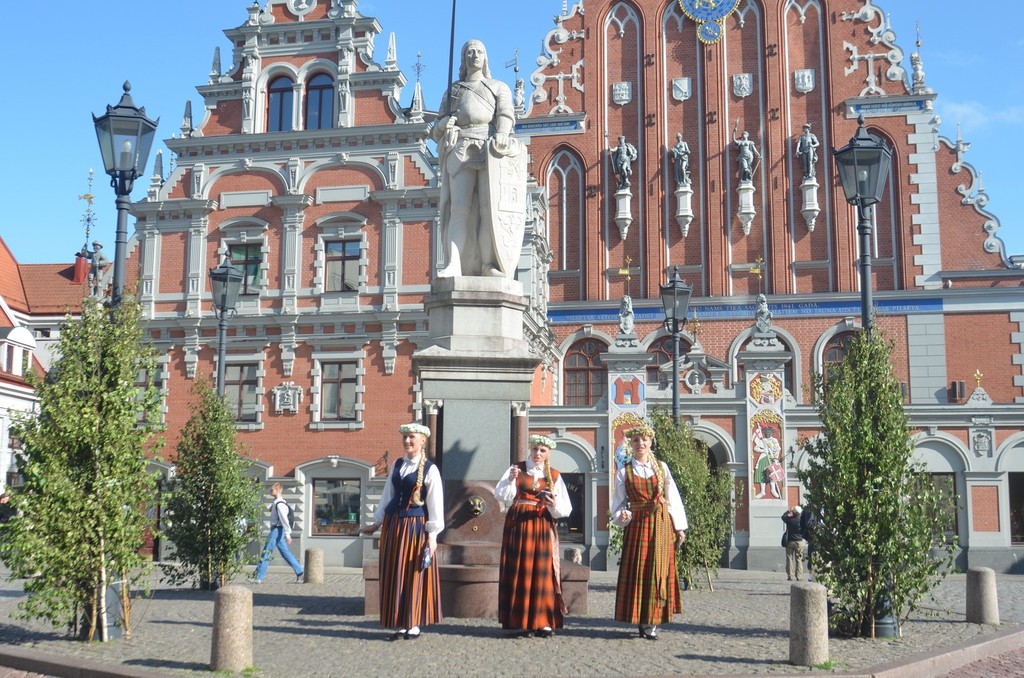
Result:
[
  {"x": 213, "y": 507},
  {"x": 80, "y": 516},
  {"x": 879, "y": 541}
]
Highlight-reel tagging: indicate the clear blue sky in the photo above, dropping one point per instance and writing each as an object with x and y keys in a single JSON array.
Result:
[{"x": 86, "y": 50}]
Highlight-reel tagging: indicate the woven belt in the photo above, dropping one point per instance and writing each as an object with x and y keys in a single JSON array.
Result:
[{"x": 527, "y": 502}]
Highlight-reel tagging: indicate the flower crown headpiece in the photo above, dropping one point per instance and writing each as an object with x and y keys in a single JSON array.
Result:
[
  {"x": 639, "y": 431},
  {"x": 405, "y": 429},
  {"x": 542, "y": 440}
]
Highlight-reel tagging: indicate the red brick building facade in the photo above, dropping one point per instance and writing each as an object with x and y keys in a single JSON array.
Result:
[{"x": 306, "y": 171}]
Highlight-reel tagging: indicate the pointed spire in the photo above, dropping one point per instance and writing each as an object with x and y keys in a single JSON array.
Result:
[
  {"x": 156, "y": 181},
  {"x": 186, "y": 120},
  {"x": 416, "y": 109},
  {"x": 158, "y": 165},
  {"x": 215, "y": 68},
  {"x": 391, "y": 63}
]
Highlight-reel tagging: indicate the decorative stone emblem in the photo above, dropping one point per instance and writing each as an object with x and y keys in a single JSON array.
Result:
[
  {"x": 743, "y": 84},
  {"x": 287, "y": 397},
  {"x": 622, "y": 93},
  {"x": 803, "y": 80},
  {"x": 682, "y": 88}
]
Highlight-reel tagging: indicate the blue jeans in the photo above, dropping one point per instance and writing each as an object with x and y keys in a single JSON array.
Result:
[{"x": 276, "y": 538}]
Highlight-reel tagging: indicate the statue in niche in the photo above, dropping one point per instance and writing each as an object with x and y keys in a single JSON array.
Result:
[
  {"x": 626, "y": 321},
  {"x": 680, "y": 154},
  {"x": 807, "y": 150},
  {"x": 623, "y": 157},
  {"x": 746, "y": 155}
]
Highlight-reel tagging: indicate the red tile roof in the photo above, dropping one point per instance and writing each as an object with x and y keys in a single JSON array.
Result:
[{"x": 39, "y": 289}]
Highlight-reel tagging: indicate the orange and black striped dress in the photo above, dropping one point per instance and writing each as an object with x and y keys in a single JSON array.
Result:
[
  {"x": 529, "y": 591},
  {"x": 409, "y": 595},
  {"x": 648, "y": 588}
]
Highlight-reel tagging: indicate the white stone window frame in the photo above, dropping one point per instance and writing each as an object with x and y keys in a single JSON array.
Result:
[
  {"x": 334, "y": 228},
  {"x": 248, "y": 231},
  {"x": 16, "y": 350},
  {"x": 259, "y": 358},
  {"x": 163, "y": 375},
  {"x": 316, "y": 393}
]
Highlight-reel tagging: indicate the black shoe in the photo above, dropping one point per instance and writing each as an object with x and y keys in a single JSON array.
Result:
[
  {"x": 526, "y": 634},
  {"x": 545, "y": 633},
  {"x": 397, "y": 635},
  {"x": 413, "y": 636},
  {"x": 644, "y": 633}
]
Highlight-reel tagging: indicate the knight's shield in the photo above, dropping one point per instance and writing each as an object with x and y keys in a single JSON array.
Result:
[{"x": 506, "y": 180}]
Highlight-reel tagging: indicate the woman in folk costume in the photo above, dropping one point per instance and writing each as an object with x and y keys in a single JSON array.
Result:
[
  {"x": 647, "y": 505},
  {"x": 529, "y": 588},
  {"x": 411, "y": 511}
]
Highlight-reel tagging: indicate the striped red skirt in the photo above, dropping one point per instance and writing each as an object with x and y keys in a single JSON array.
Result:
[
  {"x": 409, "y": 595},
  {"x": 529, "y": 594}
]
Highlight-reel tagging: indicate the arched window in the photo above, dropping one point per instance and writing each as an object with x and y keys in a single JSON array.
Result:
[
  {"x": 835, "y": 351},
  {"x": 586, "y": 377},
  {"x": 320, "y": 102},
  {"x": 661, "y": 349},
  {"x": 565, "y": 211},
  {"x": 279, "y": 105}
]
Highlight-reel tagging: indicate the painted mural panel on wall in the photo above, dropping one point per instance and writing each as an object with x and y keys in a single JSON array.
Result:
[
  {"x": 627, "y": 408},
  {"x": 766, "y": 427}
]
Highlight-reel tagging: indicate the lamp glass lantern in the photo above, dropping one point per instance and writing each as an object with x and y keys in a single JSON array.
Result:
[
  {"x": 125, "y": 135},
  {"x": 863, "y": 166},
  {"x": 675, "y": 298},
  {"x": 227, "y": 282}
]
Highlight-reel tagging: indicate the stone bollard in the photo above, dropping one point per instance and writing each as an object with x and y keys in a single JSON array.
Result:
[
  {"x": 314, "y": 569},
  {"x": 808, "y": 624},
  {"x": 982, "y": 601},
  {"x": 232, "y": 629}
]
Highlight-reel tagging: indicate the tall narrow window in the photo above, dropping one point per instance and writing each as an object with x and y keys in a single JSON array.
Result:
[
  {"x": 338, "y": 386},
  {"x": 585, "y": 374},
  {"x": 835, "y": 351},
  {"x": 342, "y": 265},
  {"x": 247, "y": 259},
  {"x": 661, "y": 349},
  {"x": 279, "y": 105},
  {"x": 240, "y": 391},
  {"x": 1016, "y": 508},
  {"x": 320, "y": 102}
]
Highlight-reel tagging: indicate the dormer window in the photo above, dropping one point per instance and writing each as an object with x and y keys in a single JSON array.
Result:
[{"x": 16, "y": 348}]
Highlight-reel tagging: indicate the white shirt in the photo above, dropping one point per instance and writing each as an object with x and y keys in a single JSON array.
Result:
[
  {"x": 506, "y": 491},
  {"x": 433, "y": 502},
  {"x": 676, "y": 510}
]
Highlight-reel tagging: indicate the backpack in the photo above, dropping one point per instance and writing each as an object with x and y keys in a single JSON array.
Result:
[{"x": 291, "y": 512}]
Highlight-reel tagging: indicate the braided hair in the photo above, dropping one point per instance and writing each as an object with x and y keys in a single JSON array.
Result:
[
  {"x": 547, "y": 475},
  {"x": 416, "y": 497}
]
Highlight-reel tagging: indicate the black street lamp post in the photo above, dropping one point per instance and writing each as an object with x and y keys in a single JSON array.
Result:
[
  {"x": 675, "y": 298},
  {"x": 863, "y": 167},
  {"x": 226, "y": 281},
  {"x": 125, "y": 136}
]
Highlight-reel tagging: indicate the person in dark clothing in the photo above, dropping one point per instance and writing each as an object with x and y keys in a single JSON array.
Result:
[{"x": 795, "y": 544}]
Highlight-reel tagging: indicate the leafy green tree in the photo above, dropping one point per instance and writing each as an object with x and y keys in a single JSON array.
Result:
[
  {"x": 879, "y": 545},
  {"x": 707, "y": 496},
  {"x": 213, "y": 506},
  {"x": 81, "y": 514}
]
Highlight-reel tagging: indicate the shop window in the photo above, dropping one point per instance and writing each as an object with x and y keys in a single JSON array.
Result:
[
  {"x": 320, "y": 102},
  {"x": 338, "y": 389},
  {"x": 337, "y": 504},
  {"x": 586, "y": 376},
  {"x": 247, "y": 258},
  {"x": 341, "y": 259},
  {"x": 571, "y": 529},
  {"x": 279, "y": 105},
  {"x": 1016, "y": 508},
  {"x": 240, "y": 384}
]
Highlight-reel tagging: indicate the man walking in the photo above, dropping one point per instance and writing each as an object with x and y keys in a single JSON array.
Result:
[{"x": 280, "y": 537}]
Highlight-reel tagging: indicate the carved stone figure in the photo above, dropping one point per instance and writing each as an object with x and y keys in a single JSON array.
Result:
[
  {"x": 483, "y": 172},
  {"x": 747, "y": 152},
  {"x": 763, "y": 317},
  {"x": 98, "y": 262},
  {"x": 681, "y": 161},
  {"x": 623, "y": 157},
  {"x": 626, "y": 321},
  {"x": 807, "y": 151}
]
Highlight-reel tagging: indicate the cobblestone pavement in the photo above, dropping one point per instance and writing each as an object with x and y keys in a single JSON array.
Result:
[{"x": 741, "y": 628}]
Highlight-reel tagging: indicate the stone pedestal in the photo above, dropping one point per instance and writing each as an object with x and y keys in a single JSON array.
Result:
[
  {"x": 809, "y": 206},
  {"x": 623, "y": 211},
  {"x": 684, "y": 207},
  {"x": 231, "y": 647},
  {"x": 746, "y": 211}
]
